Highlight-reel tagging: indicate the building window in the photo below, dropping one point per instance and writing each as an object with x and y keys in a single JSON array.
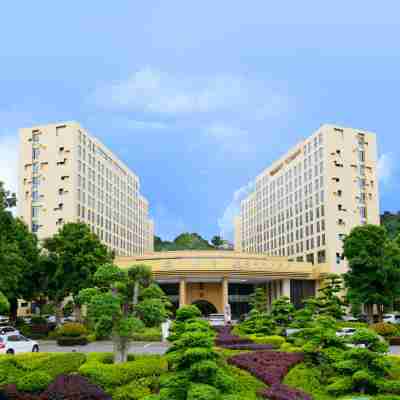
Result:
[
  {"x": 321, "y": 256},
  {"x": 35, "y": 212},
  {"x": 35, "y": 154},
  {"x": 35, "y": 195},
  {"x": 35, "y": 137},
  {"x": 35, "y": 227},
  {"x": 35, "y": 168},
  {"x": 363, "y": 212},
  {"x": 361, "y": 155}
]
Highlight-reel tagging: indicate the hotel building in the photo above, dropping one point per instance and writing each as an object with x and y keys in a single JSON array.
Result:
[
  {"x": 305, "y": 203},
  {"x": 67, "y": 175}
]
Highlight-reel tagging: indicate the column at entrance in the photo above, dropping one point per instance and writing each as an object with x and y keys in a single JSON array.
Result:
[
  {"x": 286, "y": 288},
  {"x": 182, "y": 292},
  {"x": 225, "y": 299}
]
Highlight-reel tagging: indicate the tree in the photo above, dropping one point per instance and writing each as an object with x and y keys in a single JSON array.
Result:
[
  {"x": 282, "y": 311},
  {"x": 184, "y": 241},
  {"x": 374, "y": 268},
  {"x": 258, "y": 299},
  {"x": 217, "y": 241},
  {"x": 328, "y": 301},
  {"x": 392, "y": 223},
  {"x": 108, "y": 306},
  {"x": 139, "y": 276},
  {"x": 4, "y": 304},
  {"x": 73, "y": 256},
  {"x": 19, "y": 256}
]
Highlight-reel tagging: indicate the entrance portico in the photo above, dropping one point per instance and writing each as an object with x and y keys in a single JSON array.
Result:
[{"x": 228, "y": 277}]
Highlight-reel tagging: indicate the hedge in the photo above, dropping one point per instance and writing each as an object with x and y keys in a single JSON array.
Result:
[
  {"x": 276, "y": 341},
  {"x": 132, "y": 391},
  {"x": 72, "y": 341},
  {"x": 110, "y": 376},
  {"x": 35, "y": 381}
]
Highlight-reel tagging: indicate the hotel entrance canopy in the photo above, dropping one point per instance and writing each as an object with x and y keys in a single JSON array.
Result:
[{"x": 206, "y": 264}]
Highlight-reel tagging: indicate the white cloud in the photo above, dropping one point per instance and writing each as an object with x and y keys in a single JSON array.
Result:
[
  {"x": 153, "y": 91},
  {"x": 225, "y": 222},
  {"x": 9, "y": 162},
  {"x": 386, "y": 168}
]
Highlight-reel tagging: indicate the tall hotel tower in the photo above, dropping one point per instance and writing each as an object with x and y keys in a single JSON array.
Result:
[
  {"x": 67, "y": 175},
  {"x": 305, "y": 203}
]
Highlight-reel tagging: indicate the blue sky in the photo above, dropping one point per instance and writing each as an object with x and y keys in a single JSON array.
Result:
[{"x": 198, "y": 97}]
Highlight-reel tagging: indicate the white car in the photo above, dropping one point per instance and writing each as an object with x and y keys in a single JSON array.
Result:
[
  {"x": 346, "y": 332},
  {"x": 391, "y": 318},
  {"x": 8, "y": 330},
  {"x": 216, "y": 319},
  {"x": 14, "y": 344},
  {"x": 3, "y": 318}
]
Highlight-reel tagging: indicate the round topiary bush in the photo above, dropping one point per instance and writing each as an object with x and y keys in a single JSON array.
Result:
[
  {"x": 35, "y": 381},
  {"x": 201, "y": 391},
  {"x": 384, "y": 329},
  {"x": 72, "y": 340},
  {"x": 72, "y": 329}
]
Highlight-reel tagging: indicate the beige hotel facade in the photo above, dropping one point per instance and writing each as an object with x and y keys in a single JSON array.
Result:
[
  {"x": 305, "y": 203},
  {"x": 67, "y": 175}
]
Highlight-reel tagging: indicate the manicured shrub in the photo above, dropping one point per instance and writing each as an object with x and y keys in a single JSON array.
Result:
[
  {"x": 187, "y": 312},
  {"x": 104, "y": 358},
  {"x": 249, "y": 346},
  {"x": 283, "y": 392},
  {"x": 152, "y": 312},
  {"x": 72, "y": 340},
  {"x": 103, "y": 327},
  {"x": 306, "y": 378},
  {"x": 148, "y": 335},
  {"x": 290, "y": 348},
  {"x": 72, "y": 329},
  {"x": 384, "y": 329},
  {"x": 35, "y": 381},
  {"x": 388, "y": 386},
  {"x": 110, "y": 376},
  {"x": 132, "y": 391},
  {"x": 201, "y": 391},
  {"x": 54, "y": 364},
  {"x": 73, "y": 387},
  {"x": 387, "y": 397},
  {"x": 276, "y": 341}
]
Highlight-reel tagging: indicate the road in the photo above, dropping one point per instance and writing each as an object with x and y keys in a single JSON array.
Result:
[{"x": 104, "y": 346}]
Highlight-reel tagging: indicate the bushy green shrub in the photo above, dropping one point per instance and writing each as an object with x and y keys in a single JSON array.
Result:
[
  {"x": 148, "y": 335},
  {"x": 384, "y": 329},
  {"x": 38, "y": 320},
  {"x": 290, "y": 348},
  {"x": 152, "y": 312},
  {"x": 35, "y": 381},
  {"x": 72, "y": 340},
  {"x": 53, "y": 364},
  {"x": 104, "y": 358},
  {"x": 306, "y": 378},
  {"x": 389, "y": 386},
  {"x": 111, "y": 375},
  {"x": 275, "y": 340},
  {"x": 387, "y": 397},
  {"x": 72, "y": 329},
  {"x": 103, "y": 327},
  {"x": 132, "y": 391},
  {"x": 202, "y": 391},
  {"x": 394, "y": 370}
]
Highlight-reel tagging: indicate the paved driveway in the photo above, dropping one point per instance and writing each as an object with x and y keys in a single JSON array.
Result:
[{"x": 105, "y": 346}]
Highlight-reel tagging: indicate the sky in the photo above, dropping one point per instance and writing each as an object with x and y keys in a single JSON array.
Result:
[{"x": 197, "y": 98}]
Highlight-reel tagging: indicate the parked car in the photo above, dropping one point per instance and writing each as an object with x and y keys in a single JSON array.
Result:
[
  {"x": 391, "y": 318},
  {"x": 216, "y": 319},
  {"x": 292, "y": 331},
  {"x": 346, "y": 332},
  {"x": 68, "y": 319},
  {"x": 51, "y": 319},
  {"x": 3, "y": 318},
  {"x": 8, "y": 330},
  {"x": 14, "y": 344}
]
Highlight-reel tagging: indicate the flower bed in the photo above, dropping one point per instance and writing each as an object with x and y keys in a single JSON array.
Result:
[
  {"x": 225, "y": 338},
  {"x": 283, "y": 392},
  {"x": 268, "y": 366},
  {"x": 249, "y": 346}
]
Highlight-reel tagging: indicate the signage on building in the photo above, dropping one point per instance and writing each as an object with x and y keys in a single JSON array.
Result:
[{"x": 286, "y": 162}]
